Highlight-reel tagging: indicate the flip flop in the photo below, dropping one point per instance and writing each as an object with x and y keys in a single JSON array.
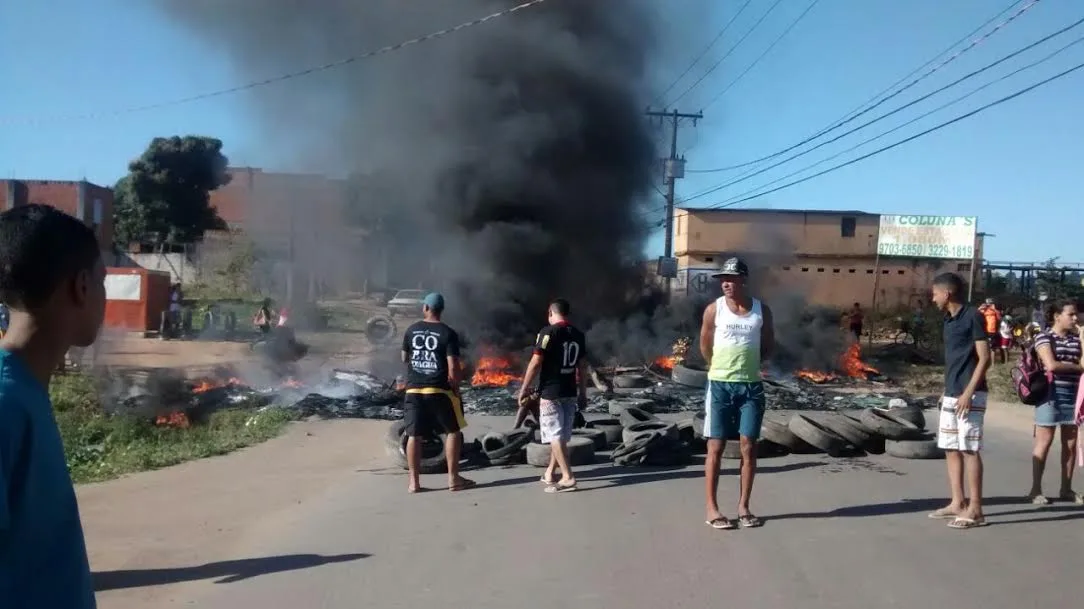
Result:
[
  {"x": 941, "y": 514},
  {"x": 1039, "y": 500},
  {"x": 463, "y": 484},
  {"x": 749, "y": 521},
  {"x": 1072, "y": 497},
  {"x": 721, "y": 523},
  {"x": 962, "y": 523},
  {"x": 560, "y": 488},
  {"x": 547, "y": 482},
  {"x": 416, "y": 490}
]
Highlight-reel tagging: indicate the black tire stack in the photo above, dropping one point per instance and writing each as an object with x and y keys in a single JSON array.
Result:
[{"x": 899, "y": 432}]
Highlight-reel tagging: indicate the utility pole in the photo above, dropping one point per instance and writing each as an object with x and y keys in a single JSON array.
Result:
[
  {"x": 980, "y": 245},
  {"x": 674, "y": 169}
]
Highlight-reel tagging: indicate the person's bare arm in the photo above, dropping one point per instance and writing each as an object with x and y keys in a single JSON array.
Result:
[
  {"x": 707, "y": 332},
  {"x": 530, "y": 375},
  {"x": 455, "y": 375},
  {"x": 982, "y": 350},
  {"x": 1045, "y": 351},
  {"x": 767, "y": 333},
  {"x": 581, "y": 383}
]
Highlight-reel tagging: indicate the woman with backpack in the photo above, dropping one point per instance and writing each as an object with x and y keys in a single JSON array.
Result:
[{"x": 1059, "y": 351}]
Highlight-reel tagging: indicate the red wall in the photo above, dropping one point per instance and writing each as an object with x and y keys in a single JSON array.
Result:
[{"x": 145, "y": 313}]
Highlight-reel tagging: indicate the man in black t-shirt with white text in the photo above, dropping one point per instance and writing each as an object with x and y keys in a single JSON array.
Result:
[
  {"x": 432, "y": 404},
  {"x": 560, "y": 363}
]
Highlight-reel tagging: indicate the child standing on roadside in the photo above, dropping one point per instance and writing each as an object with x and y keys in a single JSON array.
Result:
[{"x": 53, "y": 280}]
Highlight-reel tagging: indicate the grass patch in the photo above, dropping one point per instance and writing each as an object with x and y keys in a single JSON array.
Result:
[
  {"x": 930, "y": 380},
  {"x": 99, "y": 447}
]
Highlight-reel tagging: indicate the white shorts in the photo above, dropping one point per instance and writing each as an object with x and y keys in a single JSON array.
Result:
[
  {"x": 556, "y": 417},
  {"x": 961, "y": 433}
]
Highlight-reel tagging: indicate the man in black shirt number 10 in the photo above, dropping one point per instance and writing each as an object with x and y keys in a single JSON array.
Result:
[
  {"x": 432, "y": 404},
  {"x": 560, "y": 363}
]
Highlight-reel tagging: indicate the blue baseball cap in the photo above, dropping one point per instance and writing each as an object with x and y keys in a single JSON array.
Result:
[{"x": 434, "y": 301}]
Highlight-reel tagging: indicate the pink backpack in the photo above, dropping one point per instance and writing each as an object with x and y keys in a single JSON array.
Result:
[{"x": 1031, "y": 382}]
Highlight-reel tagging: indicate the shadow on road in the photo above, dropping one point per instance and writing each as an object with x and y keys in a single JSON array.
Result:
[
  {"x": 907, "y": 506},
  {"x": 629, "y": 475},
  {"x": 229, "y": 571}
]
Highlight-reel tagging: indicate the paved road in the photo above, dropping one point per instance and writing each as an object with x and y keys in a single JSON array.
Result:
[{"x": 838, "y": 533}]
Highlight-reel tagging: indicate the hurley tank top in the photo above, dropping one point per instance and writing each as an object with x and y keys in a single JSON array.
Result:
[{"x": 735, "y": 353}]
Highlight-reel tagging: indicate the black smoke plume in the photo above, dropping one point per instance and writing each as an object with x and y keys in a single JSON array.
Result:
[{"x": 513, "y": 159}]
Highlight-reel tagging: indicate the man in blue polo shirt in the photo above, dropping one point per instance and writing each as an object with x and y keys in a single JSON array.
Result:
[{"x": 963, "y": 405}]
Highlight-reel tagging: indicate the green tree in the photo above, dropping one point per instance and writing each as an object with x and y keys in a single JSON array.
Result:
[
  {"x": 1056, "y": 283},
  {"x": 237, "y": 271},
  {"x": 167, "y": 191}
]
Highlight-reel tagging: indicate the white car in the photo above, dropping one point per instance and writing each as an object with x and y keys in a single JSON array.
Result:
[{"x": 407, "y": 303}]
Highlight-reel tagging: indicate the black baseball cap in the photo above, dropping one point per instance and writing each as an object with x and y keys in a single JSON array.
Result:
[{"x": 733, "y": 267}]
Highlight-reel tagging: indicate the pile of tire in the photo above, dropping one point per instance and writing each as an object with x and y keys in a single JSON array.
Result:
[
  {"x": 525, "y": 446},
  {"x": 897, "y": 432},
  {"x": 647, "y": 440},
  {"x": 433, "y": 459}
]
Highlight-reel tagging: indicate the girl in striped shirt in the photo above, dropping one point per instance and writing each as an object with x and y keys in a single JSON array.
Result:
[{"x": 1059, "y": 350}]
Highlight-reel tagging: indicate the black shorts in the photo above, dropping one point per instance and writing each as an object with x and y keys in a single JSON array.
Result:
[{"x": 428, "y": 411}]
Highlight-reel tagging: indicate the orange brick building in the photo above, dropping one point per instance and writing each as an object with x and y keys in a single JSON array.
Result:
[
  {"x": 90, "y": 203},
  {"x": 830, "y": 257}
]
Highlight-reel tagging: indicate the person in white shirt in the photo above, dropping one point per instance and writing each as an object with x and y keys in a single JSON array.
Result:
[{"x": 1005, "y": 339}]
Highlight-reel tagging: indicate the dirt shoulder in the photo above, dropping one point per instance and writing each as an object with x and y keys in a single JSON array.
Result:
[{"x": 205, "y": 511}]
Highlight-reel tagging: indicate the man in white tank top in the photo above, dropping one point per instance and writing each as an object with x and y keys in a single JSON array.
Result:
[{"x": 735, "y": 337}]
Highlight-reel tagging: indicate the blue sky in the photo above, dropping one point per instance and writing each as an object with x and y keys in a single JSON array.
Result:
[{"x": 1015, "y": 166}]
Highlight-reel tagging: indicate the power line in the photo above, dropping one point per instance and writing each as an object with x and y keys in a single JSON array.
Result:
[
  {"x": 968, "y": 76},
  {"x": 289, "y": 76},
  {"x": 909, "y": 139},
  {"x": 853, "y": 115},
  {"x": 763, "y": 54},
  {"x": 727, "y": 54},
  {"x": 953, "y": 102},
  {"x": 658, "y": 100}
]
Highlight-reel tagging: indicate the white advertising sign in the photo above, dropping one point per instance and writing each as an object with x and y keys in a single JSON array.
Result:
[
  {"x": 123, "y": 287},
  {"x": 927, "y": 236}
]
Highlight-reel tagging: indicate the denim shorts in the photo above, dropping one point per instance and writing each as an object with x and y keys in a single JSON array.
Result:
[
  {"x": 1059, "y": 410},
  {"x": 733, "y": 409}
]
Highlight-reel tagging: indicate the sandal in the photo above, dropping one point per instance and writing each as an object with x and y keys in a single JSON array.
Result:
[
  {"x": 942, "y": 514},
  {"x": 967, "y": 523},
  {"x": 1039, "y": 500},
  {"x": 721, "y": 523},
  {"x": 561, "y": 488},
  {"x": 549, "y": 482},
  {"x": 463, "y": 484},
  {"x": 749, "y": 521}
]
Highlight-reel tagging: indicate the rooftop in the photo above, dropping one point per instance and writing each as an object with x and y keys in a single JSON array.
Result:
[{"x": 746, "y": 210}]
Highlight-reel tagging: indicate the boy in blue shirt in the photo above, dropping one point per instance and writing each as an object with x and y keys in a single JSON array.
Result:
[{"x": 52, "y": 279}]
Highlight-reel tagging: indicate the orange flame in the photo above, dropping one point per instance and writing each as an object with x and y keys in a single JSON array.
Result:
[
  {"x": 209, "y": 384},
  {"x": 177, "y": 420},
  {"x": 292, "y": 383},
  {"x": 667, "y": 362},
  {"x": 851, "y": 364},
  {"x": 494, "y": 370},
  {"x": 814, "y": 376}
]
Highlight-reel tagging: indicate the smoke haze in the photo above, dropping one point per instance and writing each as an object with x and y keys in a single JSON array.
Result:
[{"x": 512, "y": 158}]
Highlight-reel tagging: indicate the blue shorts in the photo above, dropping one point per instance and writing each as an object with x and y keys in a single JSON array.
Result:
[
  {"x": 733, "y": 409},
  {"x": 1059, "y": 410}
]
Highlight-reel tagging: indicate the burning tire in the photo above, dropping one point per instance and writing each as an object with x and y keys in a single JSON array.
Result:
[
  {"x": 630, "y": 381},
  {"x": 505, "y": 448},
  {"x": 819, "y": 436},
  {"x": 912, "y": 414},
  {"x": 595, "y": 435},
  {"x": 581, "y": 451},
  {"x": 611, "y": 428},
  {"x": 632, "y": 415},
  {"x": 924, "y": 447},
  {"x": 691, "y": 377},
  {"x": 617, "y": 406},
  {"x": 888, "y": 426},
  {"x": 433, "y": 461},
  {"x": 633, "y": 432}
]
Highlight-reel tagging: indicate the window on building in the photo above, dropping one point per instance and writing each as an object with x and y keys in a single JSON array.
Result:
[
  {"x": 900, "y": 272},
  {"x": 820, "y": 270},
  {"x": 847, "y": 226},
  {"x": 884, "y": 271},
  {"x": 851, "y": 270},
  {"x": 805, "y": 269},
  {"x": 835, "y": 270},
  {"x": 709, "y": 259},
  {"x": 869, "y": 271}
]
